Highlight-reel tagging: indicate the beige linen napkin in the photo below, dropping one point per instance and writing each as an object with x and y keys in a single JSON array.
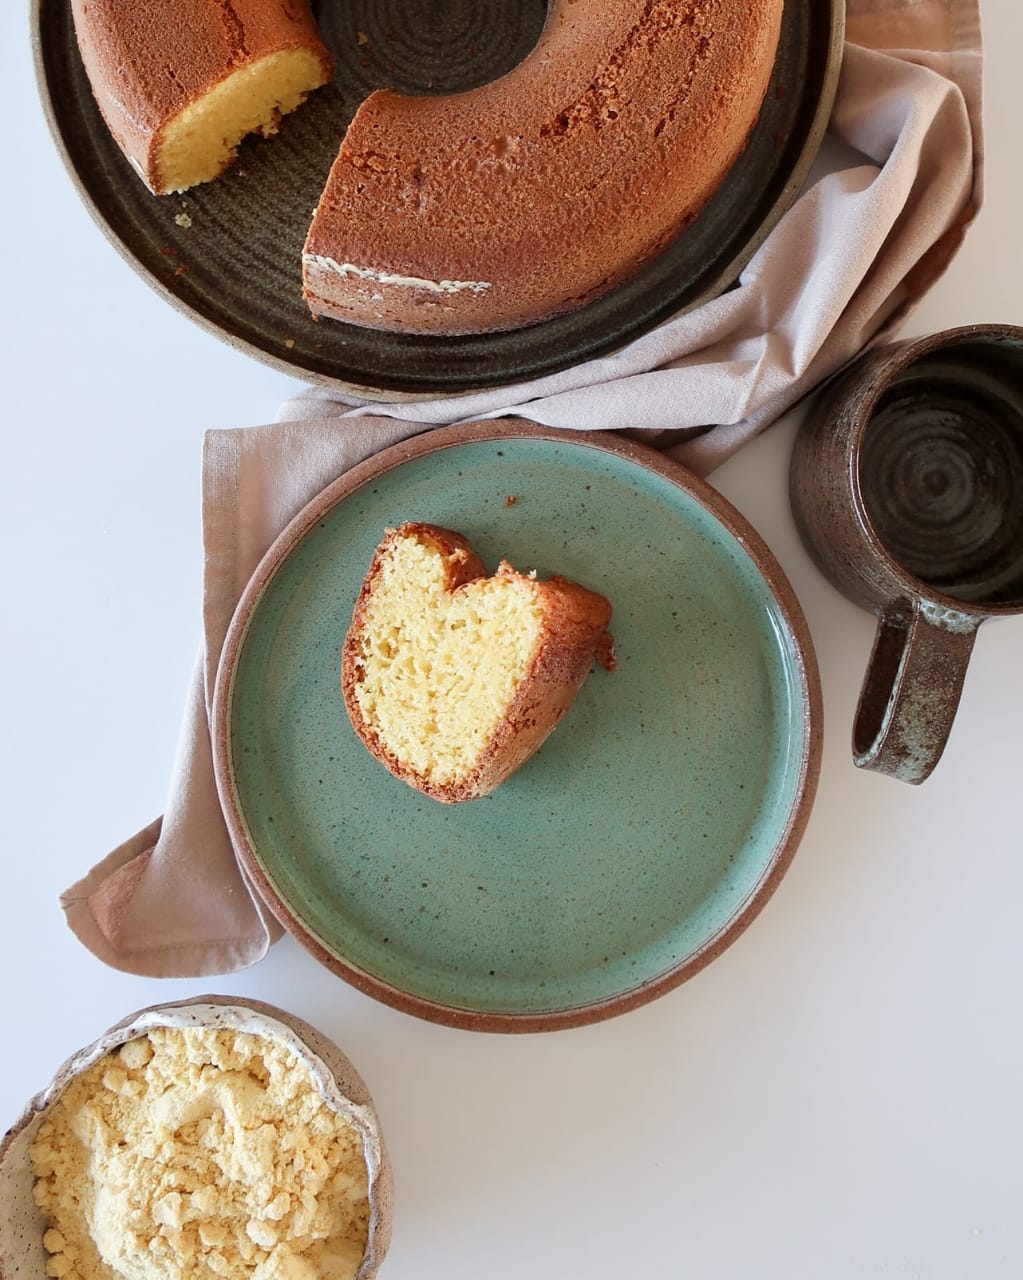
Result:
[{"x": 864, "y": 241}]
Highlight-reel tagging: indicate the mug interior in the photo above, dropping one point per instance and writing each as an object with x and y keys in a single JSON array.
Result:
[{"x": 941, "y": 469}]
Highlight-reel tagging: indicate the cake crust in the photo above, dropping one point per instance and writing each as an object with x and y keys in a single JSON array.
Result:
[
  {"x": 147, "y": 63},
  {"x": 473, "y": 212},
  {"x": 573, "y": 635},
  {"x": 533, "y": 195}
]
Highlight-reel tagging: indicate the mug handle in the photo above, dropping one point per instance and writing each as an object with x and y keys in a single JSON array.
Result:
[{"x": 912, "y": 688}]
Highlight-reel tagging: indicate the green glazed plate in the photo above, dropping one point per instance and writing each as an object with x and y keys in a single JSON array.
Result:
[{"x": 641, "y": 838}]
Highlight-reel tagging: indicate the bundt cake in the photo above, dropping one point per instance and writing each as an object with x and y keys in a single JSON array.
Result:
[
  {"x": 471, "y": 212},
  {"x": 453, "y": 679},
  {"x": 181, "y": 82},
  {"x": 530, "y": 196}
]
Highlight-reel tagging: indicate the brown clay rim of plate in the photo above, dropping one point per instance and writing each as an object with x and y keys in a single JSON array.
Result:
[
  {"x": 766, "y": 564},
  {"x": 233, "y": 263}
]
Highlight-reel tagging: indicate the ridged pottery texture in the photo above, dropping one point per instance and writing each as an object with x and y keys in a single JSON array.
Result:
[{"x": 907, "y": 487}]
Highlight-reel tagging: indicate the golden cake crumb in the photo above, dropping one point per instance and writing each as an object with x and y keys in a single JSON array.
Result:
[
  {"x": 452, "y": 678},
  {"x": 199, "y": 1152}
]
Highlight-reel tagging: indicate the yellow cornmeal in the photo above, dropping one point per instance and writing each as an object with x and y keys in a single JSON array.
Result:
[
  {"x": 193, "y": 1152},
  {"x": 439, "y": 668}
]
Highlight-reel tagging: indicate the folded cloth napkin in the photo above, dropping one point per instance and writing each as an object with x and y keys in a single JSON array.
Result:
[{"x": 839, "y": 271}]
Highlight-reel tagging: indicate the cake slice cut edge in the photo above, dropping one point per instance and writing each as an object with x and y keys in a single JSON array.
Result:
[
  {"x": 201, "y": 141},
  {"x": 452, "y": 678}
]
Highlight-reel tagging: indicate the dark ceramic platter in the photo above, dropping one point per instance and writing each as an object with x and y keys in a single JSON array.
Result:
[{"x": 232, "y": 262}]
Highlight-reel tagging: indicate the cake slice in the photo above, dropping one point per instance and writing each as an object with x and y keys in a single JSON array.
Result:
[
  {"x": 181, "y": 84},
  {"x": 453, "y": 679}
]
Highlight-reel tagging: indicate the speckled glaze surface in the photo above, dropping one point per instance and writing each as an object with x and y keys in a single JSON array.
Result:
[
  {"x": 21, "y": 1231},
  {"x": 907, "y": 488},
  {"x": 228, "y": 253},
  {"x": 647, "y": 831}
]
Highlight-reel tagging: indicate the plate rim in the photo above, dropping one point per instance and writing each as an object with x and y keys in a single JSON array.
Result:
[
  {"x": 805, "y": 663},
  {"x": 832, "y": 49}
]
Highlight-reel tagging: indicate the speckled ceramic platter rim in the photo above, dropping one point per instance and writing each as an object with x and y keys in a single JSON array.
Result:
[
  {"x": 334, "y": 1076},
  {"x": 803, "y": 658},
  {"x": 397, "y": 367}
]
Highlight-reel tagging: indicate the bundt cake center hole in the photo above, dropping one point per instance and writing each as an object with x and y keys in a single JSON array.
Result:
[{"x": 427, "y": 46}]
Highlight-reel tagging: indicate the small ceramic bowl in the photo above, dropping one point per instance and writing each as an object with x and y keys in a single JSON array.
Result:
[{"x": 21, "y": 1226}]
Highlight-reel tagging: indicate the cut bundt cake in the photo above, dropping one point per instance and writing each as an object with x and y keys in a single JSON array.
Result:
[
  {"x": 181, "y": 83},
  {"x": 453, "y": 679},
  {"x": 471, "y": 212},
  {"x": 537, "y": 193}
]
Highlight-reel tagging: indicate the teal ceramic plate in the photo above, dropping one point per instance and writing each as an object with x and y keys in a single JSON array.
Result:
[{"x": 643, "y": 836}]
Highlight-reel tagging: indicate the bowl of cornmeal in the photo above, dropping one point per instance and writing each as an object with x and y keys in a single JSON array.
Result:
[{"x": 210, "y": 1137}]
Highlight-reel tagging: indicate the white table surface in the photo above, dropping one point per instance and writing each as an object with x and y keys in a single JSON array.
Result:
[{"x": 838, "y": 1096}]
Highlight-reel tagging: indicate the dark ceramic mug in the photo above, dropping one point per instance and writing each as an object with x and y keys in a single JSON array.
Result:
[{"x": 907, "y": 489}]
